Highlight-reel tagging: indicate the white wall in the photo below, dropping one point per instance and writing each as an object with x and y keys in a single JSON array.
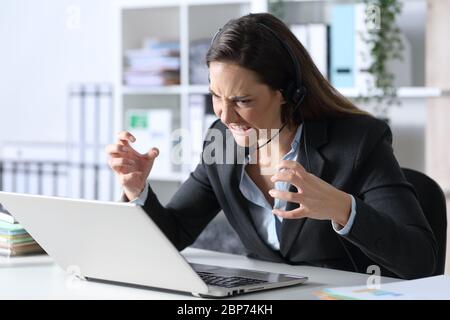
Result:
[{"x": 43, "y": 50}]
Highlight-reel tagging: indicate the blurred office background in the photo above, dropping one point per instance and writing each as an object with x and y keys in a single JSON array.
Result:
[{"x": 73, "y": 73}]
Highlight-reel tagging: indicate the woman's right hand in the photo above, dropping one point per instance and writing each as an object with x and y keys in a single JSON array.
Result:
[{"x": 131, "y": 167}]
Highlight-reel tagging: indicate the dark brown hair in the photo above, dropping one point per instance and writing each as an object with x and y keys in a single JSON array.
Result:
[{"x": 245, "y": 42}]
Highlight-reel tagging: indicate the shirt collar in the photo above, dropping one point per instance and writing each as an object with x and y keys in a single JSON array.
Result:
[{"x": 296, "y": 142}]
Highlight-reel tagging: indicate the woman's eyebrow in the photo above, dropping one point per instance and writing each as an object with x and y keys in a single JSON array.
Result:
[{"x": 233, "y": 98}]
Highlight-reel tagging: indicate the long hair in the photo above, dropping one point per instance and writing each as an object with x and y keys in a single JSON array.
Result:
[{"x": 245, "y": 42}]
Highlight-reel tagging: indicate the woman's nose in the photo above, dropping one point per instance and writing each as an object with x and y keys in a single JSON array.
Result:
[{"x": 228, "y": 114}]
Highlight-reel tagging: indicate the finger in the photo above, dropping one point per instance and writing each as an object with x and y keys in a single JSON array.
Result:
[
  {"x": 293, "y": 165},
  {"x": 289, "y": 176},
  {"x": 122, "y": 170},
  {"x": 287, "y": 196},
  {"x": 152, "y": 154},
  {"x": 116, "y": 149},
  {"x": 125, "y": 136},
  {"x": 120, "y": 162},
  {"x": 292, "y": 214}
]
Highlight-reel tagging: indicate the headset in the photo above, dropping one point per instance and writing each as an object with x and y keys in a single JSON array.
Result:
[{"x": 295, "y": 92}]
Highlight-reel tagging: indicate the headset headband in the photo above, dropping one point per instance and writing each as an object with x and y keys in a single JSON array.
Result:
[{"x": 295, "y": 91}]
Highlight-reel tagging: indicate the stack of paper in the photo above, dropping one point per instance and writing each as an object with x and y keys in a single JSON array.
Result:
[
  {"x": 14, "y": 240},
  {"x": 156, "y": 64},
  {"x": 432, "y": 288}
]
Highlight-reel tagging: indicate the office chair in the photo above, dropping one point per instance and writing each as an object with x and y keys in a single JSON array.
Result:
[{"x": 433, "y": 203}]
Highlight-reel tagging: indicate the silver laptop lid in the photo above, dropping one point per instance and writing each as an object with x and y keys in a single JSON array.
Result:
[{"x": 104, "y": 240}]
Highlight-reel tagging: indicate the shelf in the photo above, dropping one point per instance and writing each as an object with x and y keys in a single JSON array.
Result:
[
  {"x": 151, "y": 90},
  {"x": 202, "y": 89},
  {"x": 141, "y": 4},
  {"x": 216, "y": 2},
  {"x": 403, "y": 92}
]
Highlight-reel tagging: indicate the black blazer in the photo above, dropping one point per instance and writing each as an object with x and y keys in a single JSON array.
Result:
[{"x": 354, "y": 154}]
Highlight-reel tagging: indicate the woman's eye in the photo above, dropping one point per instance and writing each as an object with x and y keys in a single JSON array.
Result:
[{"x": 244, "y": 101}]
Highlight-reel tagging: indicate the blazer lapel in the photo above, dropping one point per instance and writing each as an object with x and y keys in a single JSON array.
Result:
[
  {"x": 314, "y": 135},
  {"x": 239, "y": 215}
]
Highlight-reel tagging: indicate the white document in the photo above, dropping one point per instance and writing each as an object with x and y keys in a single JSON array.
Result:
[
  {"x": 432, "y": 288},
  {"x": 152, "y": 128}
]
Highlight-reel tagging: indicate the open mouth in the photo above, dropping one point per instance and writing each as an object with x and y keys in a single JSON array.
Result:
[{"x": 240, "y": 130}]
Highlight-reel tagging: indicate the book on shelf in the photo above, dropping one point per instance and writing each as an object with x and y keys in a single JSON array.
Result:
[
  {"x": 157, "y": 63},
  {"x": 154, "y": 64},
  {"x": 160, "y": 44},
  {"x": 163, "y": 78},
  {"x": 136, "y": 54}
]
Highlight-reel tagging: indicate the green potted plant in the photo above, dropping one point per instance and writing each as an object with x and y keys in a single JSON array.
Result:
[
  {"x": 383, "y": 38},
  {"x": 385, "y": 44}
]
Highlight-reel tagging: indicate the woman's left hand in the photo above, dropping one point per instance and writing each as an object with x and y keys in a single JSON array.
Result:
[{"x": 317, "y": 198}]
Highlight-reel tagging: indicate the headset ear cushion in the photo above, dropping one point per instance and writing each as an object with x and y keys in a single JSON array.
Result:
[{"x": 289, "y": 92}]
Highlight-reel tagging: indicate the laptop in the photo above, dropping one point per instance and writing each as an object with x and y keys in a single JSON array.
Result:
[{"x": 119, "y": 243}]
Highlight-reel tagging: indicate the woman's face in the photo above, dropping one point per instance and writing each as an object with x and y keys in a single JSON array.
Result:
[{"x": 242, "y": 102}]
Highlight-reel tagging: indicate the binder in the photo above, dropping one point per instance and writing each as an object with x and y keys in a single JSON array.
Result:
[
  {"x": 342, "y": 45},
  {"x": 90, "y": 129},
  {"x": 314, "y": 38},
  {"x": 318, "y": 46}
]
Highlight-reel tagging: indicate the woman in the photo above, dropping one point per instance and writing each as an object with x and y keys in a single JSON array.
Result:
[{"x": 348, "y": 205}]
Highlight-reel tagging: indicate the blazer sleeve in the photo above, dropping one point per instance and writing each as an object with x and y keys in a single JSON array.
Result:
[
  {"x": 389, "y": 227},
  {"x": 192, "y": 207}
]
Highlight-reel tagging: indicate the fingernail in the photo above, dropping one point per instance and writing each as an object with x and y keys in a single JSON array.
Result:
[{"x": 271, "y": 192}]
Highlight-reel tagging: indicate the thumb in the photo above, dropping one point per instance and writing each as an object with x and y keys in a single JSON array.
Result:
[{"x": 152, "y": 154}]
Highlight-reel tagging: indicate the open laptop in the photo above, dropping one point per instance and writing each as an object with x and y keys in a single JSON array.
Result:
[{"x": 118, "y": 242}]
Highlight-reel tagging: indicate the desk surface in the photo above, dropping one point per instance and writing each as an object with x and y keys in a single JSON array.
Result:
[{"x": 48, "y": 281}]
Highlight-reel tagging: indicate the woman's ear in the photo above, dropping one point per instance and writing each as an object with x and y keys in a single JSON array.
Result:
[{"x": 281, "y": 96}]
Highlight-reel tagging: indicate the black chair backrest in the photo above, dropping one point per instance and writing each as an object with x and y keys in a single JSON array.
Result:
[{"x": 433, "y": 203}]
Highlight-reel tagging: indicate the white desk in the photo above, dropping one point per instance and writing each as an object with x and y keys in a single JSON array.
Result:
[{"x": 48, "y": 281}]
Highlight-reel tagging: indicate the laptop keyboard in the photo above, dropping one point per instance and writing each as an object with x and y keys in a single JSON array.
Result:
[{"x": 227, "y": 282}]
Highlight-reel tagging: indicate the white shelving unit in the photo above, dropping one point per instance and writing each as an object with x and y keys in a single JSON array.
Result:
[
  {"x": 190, "y": 20},
  {"x": 181, "y": 20}
]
